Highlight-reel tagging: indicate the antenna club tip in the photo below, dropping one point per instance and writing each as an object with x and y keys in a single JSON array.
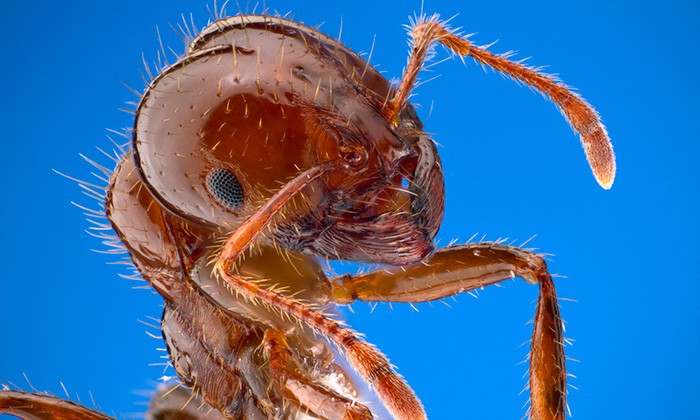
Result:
[{"x": 605, "y": 175}]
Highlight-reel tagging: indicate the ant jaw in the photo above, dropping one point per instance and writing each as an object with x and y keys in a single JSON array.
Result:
[
  {"x": 394, "y": 224},
  {"x": 388, "y": 238}
]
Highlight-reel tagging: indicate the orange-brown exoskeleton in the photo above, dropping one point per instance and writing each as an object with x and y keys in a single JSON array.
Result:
[{"x": 267, "y": 147}]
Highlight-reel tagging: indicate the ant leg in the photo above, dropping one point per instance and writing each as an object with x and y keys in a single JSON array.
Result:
[
  {"x": 446, "y": 272},
  {"x": 27, "y": 405},
  {"x": 294, "y": 386},
  {"x": 582, "y": 117},
  {"x": 458, "y": 269},
  {"x": 371, "y": 364}
]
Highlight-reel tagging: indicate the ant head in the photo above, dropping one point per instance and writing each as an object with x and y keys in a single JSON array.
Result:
[{"x": 255, "y": 101}]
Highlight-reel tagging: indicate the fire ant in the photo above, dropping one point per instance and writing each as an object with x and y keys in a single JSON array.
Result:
[{"x": 266, "y": 147}]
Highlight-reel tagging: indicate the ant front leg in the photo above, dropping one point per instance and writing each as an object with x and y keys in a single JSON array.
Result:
[
  {"x": 370, "y": 363},
  {"x": 458, "y": 269}
]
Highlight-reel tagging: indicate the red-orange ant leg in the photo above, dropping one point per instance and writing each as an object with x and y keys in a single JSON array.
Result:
[
  {"x": 310, "y": 397},
  {"x": 371, "y": 364},
  {"x": 27, "y": 405},
  {"x": 582, "y": 117},
  {"x": 458, "y": 269}
]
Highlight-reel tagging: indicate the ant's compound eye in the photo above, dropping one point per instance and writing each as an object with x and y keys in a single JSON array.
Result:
[{"x": 224, "y": 186}]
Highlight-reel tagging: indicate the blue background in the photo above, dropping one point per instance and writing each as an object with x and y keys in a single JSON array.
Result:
[{"x": 513, "y": 169}]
